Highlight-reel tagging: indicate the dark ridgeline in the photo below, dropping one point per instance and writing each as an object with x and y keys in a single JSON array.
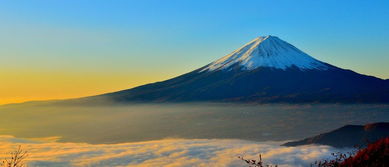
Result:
[{"x": 348, "y": 136}]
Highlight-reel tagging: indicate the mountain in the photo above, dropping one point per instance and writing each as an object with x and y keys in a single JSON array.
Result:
[
  {"x": 269, "y": 52},
  {"x": 265, "y": 70},
  {"x": 348, "y": 136}
]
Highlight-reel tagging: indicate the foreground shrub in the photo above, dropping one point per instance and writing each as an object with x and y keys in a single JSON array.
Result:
[{"x": 375, "y": 155}]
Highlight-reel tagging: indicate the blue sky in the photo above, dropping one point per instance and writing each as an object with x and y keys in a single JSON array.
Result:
[{"x": 144, "y": 41}]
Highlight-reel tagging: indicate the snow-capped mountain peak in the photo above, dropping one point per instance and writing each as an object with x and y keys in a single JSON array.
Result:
[
  {"x": 284, "y": 75},
  {"x": 267, "y": 51}
]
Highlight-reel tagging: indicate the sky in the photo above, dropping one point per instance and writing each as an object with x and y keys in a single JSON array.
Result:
[{"x": 74, "y": 48}]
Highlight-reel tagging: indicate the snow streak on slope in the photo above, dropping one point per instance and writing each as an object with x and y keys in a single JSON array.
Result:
[{"x": 267, "y": 51}]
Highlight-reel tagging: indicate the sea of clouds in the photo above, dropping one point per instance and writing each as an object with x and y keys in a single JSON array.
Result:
[{"x": 166, "y": 152}]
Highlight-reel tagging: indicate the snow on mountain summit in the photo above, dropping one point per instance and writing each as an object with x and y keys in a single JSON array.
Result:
[{"x": 267, "y": 51}]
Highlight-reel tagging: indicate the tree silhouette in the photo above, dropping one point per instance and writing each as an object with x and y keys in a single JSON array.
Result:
[
  {"x": 255, "y": 163},
  {"x": 15, "y": 159}
]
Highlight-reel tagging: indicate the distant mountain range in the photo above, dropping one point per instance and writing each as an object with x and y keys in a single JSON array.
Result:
[
  {"x": 265, "y": 70},
  {"x": 348, "y": 136}
]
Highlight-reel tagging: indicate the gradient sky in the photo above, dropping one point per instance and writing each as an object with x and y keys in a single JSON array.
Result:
[{"x": 72, "y": 48}]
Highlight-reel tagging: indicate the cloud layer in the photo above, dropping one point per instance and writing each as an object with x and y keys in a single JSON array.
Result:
[{"x": 167, "y": 152}]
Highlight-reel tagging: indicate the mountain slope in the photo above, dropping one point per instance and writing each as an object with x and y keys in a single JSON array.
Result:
[
  {"x": 348, "y": 136},
  {"x": 265, "y": 70}
]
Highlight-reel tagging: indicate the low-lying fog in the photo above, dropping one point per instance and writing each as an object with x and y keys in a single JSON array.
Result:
[
  {"x": 165, "y": 152},
  {"x": 144, "y": 122}
]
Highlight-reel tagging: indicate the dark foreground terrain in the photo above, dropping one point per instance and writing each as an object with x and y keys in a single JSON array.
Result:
[{"x": 348, "y": 136}]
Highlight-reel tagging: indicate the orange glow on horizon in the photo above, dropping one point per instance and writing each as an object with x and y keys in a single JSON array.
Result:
[{"x": 23, "y": 86}]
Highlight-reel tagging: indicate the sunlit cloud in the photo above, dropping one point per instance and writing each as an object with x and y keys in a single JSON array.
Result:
[{"x": 166, "y": 152}]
